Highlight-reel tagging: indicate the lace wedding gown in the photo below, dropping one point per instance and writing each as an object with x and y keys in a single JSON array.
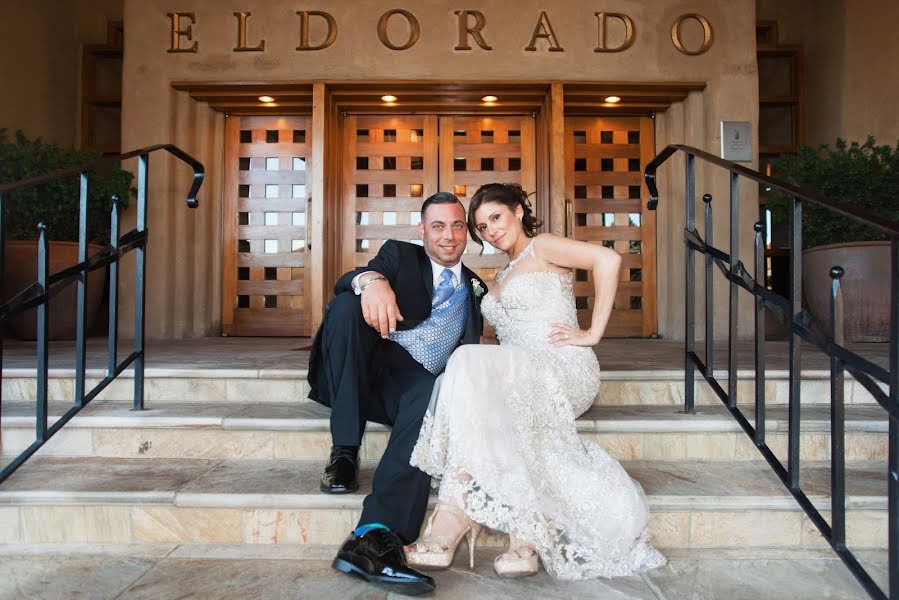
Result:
[{"x": 500, "y": 438}]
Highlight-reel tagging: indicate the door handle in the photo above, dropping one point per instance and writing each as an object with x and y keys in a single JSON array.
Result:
[{"x": 308, "y": 221}]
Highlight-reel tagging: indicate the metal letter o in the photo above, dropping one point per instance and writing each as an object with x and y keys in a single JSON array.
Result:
[
  {"x": 706, "y": 34},
  {"x": 414, "y": 34}
]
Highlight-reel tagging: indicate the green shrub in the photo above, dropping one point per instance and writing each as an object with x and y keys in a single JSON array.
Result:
[
  {"x": 56, "y": 203},
  {"x": 864, "y": 176}
]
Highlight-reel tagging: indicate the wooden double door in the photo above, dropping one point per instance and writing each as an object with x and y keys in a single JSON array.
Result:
[
  {"x": 393, "y": 163},
  {"x": 390, "y": 164}
]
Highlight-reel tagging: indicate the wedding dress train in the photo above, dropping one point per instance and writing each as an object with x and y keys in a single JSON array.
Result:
[{"x": 500, "y": 438}]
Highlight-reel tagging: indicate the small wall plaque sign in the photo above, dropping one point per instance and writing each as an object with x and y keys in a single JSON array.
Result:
[{"x": 736, "y": 141}]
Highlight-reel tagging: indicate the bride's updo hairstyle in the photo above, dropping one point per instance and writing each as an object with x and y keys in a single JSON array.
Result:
[{"x": 508, "y": 194}]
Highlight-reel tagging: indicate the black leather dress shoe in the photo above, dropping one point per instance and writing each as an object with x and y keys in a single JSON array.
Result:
[
  {"x": 378, "y": 558},
  {"x": 341, "y": 476}
]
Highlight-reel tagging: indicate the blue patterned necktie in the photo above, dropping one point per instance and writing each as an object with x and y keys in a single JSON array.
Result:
[{"x": 444, "y": 289}]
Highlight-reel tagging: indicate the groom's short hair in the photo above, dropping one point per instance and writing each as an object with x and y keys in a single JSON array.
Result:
[{"x": 440, "y": 198}]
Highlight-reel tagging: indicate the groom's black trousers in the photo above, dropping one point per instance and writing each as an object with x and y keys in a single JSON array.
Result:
[{"x": 363, "y": 377}]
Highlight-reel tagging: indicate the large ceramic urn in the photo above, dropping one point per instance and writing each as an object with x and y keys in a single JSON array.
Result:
[
  {"x": 21, "y": 271},
  {"x": 865, "y": 284}
]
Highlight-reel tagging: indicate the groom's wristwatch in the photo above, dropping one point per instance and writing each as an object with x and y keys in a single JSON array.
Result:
[{"x": 358, "y": 289}]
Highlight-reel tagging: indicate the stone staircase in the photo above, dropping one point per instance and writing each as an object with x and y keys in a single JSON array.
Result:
[{"x": 232, "y": 456}]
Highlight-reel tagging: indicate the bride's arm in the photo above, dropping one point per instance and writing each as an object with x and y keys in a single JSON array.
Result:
[{"x": 604, "y": 263}]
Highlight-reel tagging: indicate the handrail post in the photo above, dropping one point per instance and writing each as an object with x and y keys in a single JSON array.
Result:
[
  {"x": 893, "y": 478},
  {"x": 837, "y": 417},
  {"x": 795, "y": 348},
  {"x": 690, "y": 288},
  {"x": 733, "y": 315},
  {"x": 759, "y": 275},
  {"x": 709, "y": 288},
  {"x": 43, "y": 268},
  {"x": 140, "y": 291},
  {"x": 112, "y": 358},
  {"x": 81, "y": 308},
  {"x": 2, "y": 287}
]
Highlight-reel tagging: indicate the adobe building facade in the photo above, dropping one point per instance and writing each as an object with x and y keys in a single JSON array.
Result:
[{"x": 307, "y": 184}]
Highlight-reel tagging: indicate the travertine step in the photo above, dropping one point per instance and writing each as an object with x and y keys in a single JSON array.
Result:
[
  {"x": 298, "y": 431},
  {"x": 632, "y": 387},
  {"x": 695, "y": 504},
  {"x": 171, "y": 570}
]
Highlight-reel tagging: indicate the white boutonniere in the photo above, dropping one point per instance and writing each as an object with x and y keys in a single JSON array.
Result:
[{"x": 476, "y": 288}]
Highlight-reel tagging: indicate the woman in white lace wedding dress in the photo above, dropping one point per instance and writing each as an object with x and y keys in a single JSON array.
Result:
[{"x": 500, "y": 439}]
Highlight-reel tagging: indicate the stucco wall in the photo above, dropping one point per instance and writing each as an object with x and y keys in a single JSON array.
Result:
[
  {"x": 39, "y": 61},
  {"x": 152, "y": 113},
  {"x": 871, "y": 88},
  {"x": 849, "y": 56}
]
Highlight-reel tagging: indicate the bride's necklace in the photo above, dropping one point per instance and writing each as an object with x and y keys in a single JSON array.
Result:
[{"x": 500, "y": 275}]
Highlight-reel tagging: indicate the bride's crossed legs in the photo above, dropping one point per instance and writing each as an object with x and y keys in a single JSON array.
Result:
[{"x": 445, "y": 530}]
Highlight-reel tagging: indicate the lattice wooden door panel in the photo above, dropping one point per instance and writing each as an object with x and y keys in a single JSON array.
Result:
[
  {"x": 266, "y": 199},
  {"x": 479, "y": 150},
  {"x": 390, "y": 167},
  {"x": 604, "y": 161}
]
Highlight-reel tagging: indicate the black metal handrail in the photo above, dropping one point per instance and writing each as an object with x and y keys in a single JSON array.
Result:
[
  {"x": 47, "y": 285},
  {"x": 802, "y": 327}
]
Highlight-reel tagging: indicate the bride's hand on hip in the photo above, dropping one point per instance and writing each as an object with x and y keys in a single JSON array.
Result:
[{"x": 561, "y": 334}]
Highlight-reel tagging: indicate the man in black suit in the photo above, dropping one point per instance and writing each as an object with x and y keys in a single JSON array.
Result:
[{"x": 386, "y": 336}]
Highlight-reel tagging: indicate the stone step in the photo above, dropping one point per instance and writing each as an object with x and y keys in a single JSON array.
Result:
[
  {"x": 298, "y": 431},
  {"x": 695, "y": 504},
  {"x": 278, "y": 385},
  {"x": 170, "y": 570}
]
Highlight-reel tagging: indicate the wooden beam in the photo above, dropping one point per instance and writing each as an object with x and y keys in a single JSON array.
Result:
[
  {"x": 557, "y": 159},
  {"x": 229, "y": 233},
  {"x": 316, "y": 209}
]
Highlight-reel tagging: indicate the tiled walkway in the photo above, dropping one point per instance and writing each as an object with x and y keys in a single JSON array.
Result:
[{"x": 168, "y": 571}]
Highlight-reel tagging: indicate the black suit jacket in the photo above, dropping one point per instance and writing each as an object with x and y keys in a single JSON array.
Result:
[{"x": 408, "y": 270}]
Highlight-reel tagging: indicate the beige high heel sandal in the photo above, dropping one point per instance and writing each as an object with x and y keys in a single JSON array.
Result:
[
  {"x": 521, "y": 560},
  {"x": 437, "y": 553}
]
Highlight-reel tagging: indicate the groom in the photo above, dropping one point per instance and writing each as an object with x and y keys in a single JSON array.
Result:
[{"x": 386, "y": 336}]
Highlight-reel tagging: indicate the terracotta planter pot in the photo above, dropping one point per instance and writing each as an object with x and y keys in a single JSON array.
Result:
[
  {"x": 866, "y": 287},
  {"x": 21, "y": 271}
]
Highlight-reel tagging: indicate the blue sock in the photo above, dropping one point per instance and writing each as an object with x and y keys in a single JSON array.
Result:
[{"x": 363, "y": 529}]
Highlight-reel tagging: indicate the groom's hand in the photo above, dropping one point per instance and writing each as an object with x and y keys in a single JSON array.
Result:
[{"x": 379, "y": 308}]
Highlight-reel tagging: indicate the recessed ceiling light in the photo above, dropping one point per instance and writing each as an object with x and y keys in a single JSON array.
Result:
[
  {"x": 266, "y": 99},
  {"x": 388, "y": 98},
  {"x": 489, "y": 99},
  {"x": 269, "y": 104},
  {"x": 613, "y": 99}
]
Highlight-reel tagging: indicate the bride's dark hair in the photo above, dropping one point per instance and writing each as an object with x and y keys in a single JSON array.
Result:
[{"x": 510, "y": 195}]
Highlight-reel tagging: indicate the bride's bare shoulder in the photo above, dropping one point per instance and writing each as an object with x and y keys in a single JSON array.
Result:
[{"x": 547, "y": 247}]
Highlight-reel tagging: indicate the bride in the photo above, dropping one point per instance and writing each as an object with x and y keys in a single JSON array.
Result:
[{"x": 500, "y": 439}]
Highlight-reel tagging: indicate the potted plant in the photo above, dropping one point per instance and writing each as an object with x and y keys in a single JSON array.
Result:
[
  {"x": 864, "y": 176},
  {"x": 56, "y": 205}
]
